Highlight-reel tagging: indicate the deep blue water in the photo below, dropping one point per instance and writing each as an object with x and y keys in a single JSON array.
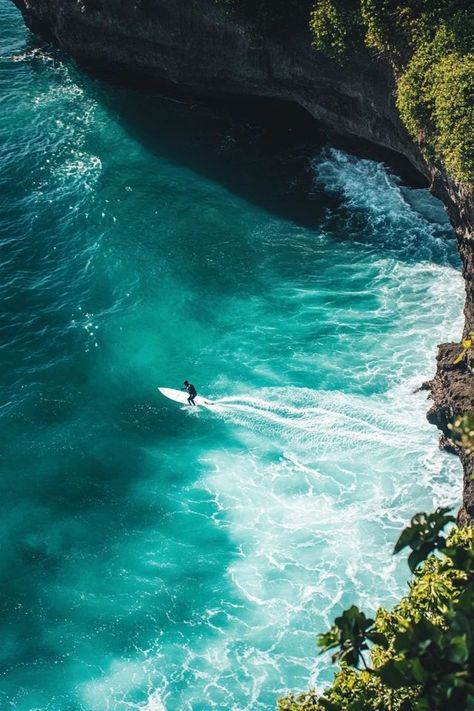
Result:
[{"x": 158, "y": 558}]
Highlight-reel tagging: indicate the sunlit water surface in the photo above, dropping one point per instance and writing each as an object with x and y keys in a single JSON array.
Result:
[{"x": 156, "y": 557}]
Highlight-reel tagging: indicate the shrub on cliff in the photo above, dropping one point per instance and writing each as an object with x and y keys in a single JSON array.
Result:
[
  {"x": 431, "y": 45},
  {"x": 435, "y": 94},
  {"x": 336, "y": 26},
  {"x": 422, "y": 652}
]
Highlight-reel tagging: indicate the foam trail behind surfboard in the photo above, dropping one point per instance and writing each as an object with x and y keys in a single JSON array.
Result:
[{"x": 321, "y": 419}]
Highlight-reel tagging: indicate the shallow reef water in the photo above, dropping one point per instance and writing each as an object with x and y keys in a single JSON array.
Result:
[{"x": 156, "y": 557}]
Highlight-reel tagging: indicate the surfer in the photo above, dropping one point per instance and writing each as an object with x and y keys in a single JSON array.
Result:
[{"x": 191, "y": 390}]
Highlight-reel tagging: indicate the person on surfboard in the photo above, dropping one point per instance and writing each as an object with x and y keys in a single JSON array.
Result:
[{"x": 191, "y": 390}]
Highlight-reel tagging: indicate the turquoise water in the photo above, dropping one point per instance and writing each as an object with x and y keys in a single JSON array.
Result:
[{"x": 160, "y": 558}]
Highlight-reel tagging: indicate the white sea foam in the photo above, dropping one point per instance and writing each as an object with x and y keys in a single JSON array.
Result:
[
  {"x": 392, "y": 220},
  {"x": 37, "y": 53},
  {"x": 73, "y": 112}
]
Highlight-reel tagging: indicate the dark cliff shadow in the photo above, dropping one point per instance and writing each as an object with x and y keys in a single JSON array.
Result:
[
  {"x": 263, "y": 151},
  {"x": 260, "y": 149}
]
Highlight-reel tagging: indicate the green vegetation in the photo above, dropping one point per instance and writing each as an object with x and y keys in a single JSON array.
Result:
[
  {"x": 430, "y": 44},
  {"x": 435, "y": 94},
  {"x": 336, "y": 26},
  {"x": 463, "y": 432},
  {"x": 422, "y": 652}
]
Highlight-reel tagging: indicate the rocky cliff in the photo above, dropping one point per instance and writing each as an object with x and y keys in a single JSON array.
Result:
[{"x": 203, "y": 49}]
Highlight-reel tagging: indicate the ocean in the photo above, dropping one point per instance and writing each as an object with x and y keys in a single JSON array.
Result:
[{"x": 162, "y": 558}]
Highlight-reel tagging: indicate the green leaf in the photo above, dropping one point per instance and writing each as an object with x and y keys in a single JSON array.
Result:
[
  {"x": 329, "y": 640},
  {"x": 457, "y": 651},
  {"x": 418, "y": 556},
  {"x": 349, "y": 633},
  {"x": 422, "y": 705},
  {"x": 328, "y": 705},
  {"x": 418, "y": 671},
  {"x": 395, "y": 674},
  {"x": 423, "y": 535}
]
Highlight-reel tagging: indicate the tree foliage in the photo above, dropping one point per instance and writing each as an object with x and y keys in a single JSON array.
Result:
[
  {"x": 336, "y": 26},
  {"x": 435, "y": 94},
  {"x": 431, "y": 45},
  {"x": 422, "y": 651},
  {"x": 350, "y": 634}
]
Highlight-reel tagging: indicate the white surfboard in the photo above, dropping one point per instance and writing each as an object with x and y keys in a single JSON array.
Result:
[{"x": 182, "y": 397}]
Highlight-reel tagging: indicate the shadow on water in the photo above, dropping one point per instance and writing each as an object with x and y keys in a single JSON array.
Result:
[
  {"x": 263, "y": 151},
  {"x": 233, "y": 144},
  {"x": 258, "y": 148}
]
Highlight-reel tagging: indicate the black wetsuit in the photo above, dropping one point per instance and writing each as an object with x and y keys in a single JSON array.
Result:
[{"x": 192, "y": 393}]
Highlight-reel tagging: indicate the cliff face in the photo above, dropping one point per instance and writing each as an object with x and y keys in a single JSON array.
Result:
[{"x": 198, "y": 46}]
